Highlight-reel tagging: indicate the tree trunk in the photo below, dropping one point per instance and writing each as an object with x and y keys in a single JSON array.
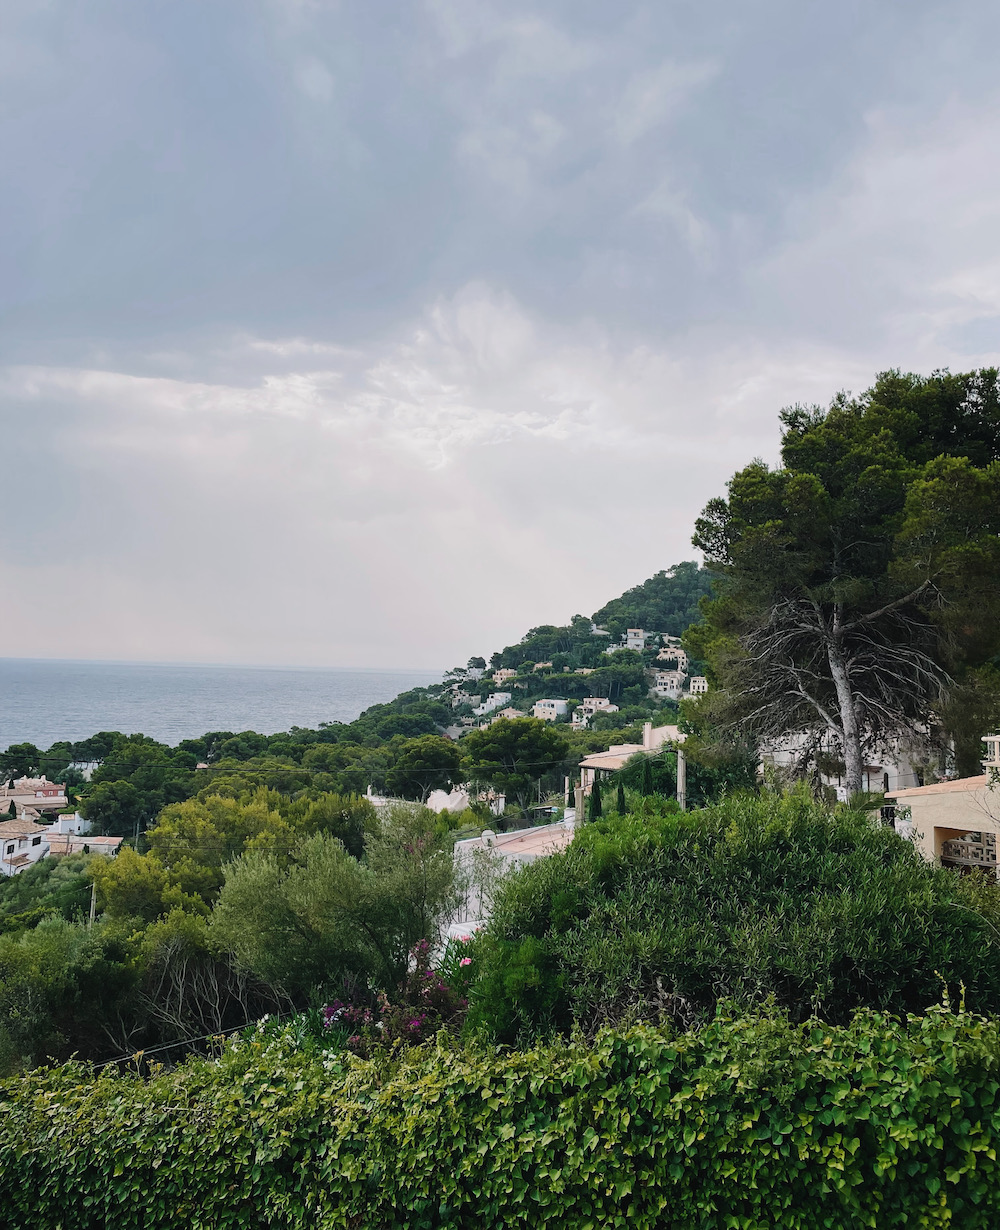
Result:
[{"x": 853, "y": 764}]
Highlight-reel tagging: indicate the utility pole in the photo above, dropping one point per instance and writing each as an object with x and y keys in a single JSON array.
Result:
[{"x": 681, "y": 780}]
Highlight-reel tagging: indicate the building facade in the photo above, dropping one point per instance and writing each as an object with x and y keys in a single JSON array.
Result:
[
  {"x": 955, "y": 823},
  {"x": 22, "y": 842}
]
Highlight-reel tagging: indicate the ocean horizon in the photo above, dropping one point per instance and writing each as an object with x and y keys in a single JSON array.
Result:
[{"x": 47, "y": 700}]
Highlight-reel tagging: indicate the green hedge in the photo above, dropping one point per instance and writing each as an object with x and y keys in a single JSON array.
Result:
[{"x": 747, "y": 1123}]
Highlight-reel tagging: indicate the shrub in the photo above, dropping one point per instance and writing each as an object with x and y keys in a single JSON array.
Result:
[
  {"x": 427, "y": 1001},
  {"x": 749, "y": 1123},
  {"x": 661, "y": 915}
]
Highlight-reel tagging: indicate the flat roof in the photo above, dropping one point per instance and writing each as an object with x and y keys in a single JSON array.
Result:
[
  {"x": 961, "y": 785},
  {"x": 70, "y": 843},
  {"x": 542, "y": 839}
]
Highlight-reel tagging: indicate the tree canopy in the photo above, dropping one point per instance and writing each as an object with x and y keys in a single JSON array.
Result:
[
  {"x": 757, "y": 898},
  {"x": 513, "y": 755},
  {"x": 859, "y": 580},
  {"x": 668, "y": 602}
]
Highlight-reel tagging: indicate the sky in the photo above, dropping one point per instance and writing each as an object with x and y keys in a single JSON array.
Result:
[{"x": 344, "y": 333}]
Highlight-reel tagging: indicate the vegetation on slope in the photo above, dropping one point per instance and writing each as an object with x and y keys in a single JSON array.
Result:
[{"x": 759, "y": 898}]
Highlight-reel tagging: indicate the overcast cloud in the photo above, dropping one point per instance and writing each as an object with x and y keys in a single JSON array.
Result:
[{"x": 342, "y": 333}]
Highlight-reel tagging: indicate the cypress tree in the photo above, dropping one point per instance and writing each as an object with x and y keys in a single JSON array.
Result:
[
  {"x": 595, "y": 799},
  {"x": 621, "y": 798}
]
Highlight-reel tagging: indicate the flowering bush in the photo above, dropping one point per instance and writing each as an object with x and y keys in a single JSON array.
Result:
[{"x": 428, "y": 1000}]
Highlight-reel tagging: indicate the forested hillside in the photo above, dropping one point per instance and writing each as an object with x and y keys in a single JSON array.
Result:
[
  {"x": 667, "y": 602},
  {"x": 237, "y": 833}
]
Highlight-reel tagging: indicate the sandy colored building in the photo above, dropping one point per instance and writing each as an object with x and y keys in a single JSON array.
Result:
[
  {"x": 36, "y": 793},
  {"x": 955, "y": 823},
  {"x": 654, "y": 739},
  {"x": 667, "y": 684}
]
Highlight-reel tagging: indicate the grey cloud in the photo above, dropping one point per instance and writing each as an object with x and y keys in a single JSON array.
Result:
[{"x": 355, "y": 334}]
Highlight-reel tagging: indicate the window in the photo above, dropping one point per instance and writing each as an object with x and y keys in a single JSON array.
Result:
[
  {"x": 10, "y": 848},
  {"x": 36, "y": 841}
]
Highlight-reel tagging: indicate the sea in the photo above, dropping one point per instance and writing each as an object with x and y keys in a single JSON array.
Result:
[{"x": 48, "y": 701}]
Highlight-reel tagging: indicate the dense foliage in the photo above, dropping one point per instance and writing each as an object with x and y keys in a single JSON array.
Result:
[
  {"x": 747, "y": 1123},
  {"x": 668, "y": 602},
  {"x": 256, "y": 875},
  {"x": 661, "y": 915},
  {"x": 240, "y": 906},
  {"x": 857, "y": 602}
]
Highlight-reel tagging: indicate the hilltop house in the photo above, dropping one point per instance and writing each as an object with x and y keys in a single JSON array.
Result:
[
  {"x": 632, "y": 638},
  {"x": 667, "y": 684},
  {"x": 590, "y": 705},
  {"x": 698, "y": 685},
  {"x": 494, "y": 701},
  {"x": 510, "y": 713},
  {"x": 503, "y": 674},
  {"x": 549, "y": 710},
  {"x": 673, "y": 652}
]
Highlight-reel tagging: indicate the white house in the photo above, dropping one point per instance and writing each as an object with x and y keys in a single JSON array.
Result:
[
  {"x": 894, "y": 772},
  {"x": 635, "y": 638},
  {"x": 495, "y": 701},
  {"x": 70, "y": 844},
  {"x": 549, "y": 710},
  {"x": 698, "y": 685},
  {"x": 493, "y": 855},
  {"x": 22, "y": 842},
  {"x": 72, "y": 825},
  {"x": 590, "y": 705},
  {"x": 667, "y": 684}
]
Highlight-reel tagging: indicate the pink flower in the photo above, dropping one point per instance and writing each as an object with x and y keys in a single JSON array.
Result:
[{"x": 465, "y": 961}]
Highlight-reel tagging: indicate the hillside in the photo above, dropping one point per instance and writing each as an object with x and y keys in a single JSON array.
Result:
[
  {"x": 137, "y": 776},
  {"x": 667, "y": 602}
]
